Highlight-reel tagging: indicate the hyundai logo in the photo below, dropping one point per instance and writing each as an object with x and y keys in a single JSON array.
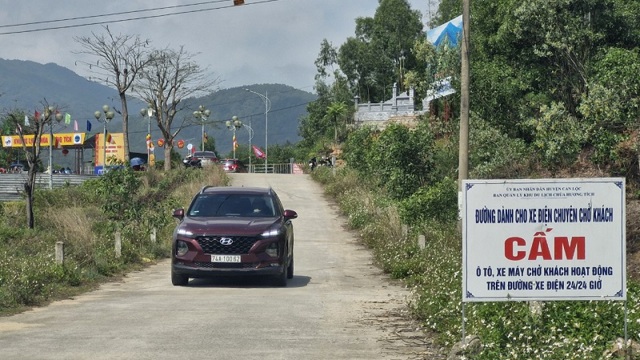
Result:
[{"x": 226, "y": 241}]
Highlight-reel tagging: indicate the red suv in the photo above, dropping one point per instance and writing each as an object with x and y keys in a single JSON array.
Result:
[{"x": 233, "y": 231}]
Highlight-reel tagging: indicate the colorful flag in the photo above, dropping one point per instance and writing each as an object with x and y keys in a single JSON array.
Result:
[
  {"x": 259, "y": 154},
  {"x": 36, "y": 116},
  {"x": 235, "y": 142},
  {"x": 26, "y": 120},
  {"x": 88, "y": 125},
  {"x": 75, "y": 125},
  {"x": 67, "y": 118}
]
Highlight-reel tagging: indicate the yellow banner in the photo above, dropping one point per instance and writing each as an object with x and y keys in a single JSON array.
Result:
[
  {"x": 66, "y": 139},
  {"x": 114, "y": 149}
]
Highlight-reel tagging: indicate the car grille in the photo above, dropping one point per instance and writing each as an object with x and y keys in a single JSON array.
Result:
[{"x": 240, "y": 245}]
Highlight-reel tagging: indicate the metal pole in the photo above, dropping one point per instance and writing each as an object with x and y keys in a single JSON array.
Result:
[
  {"x": 104, "y": 149},
  {"x": 267, "y": 104},
  {"x": 148, "y": 149},
  {"x": 202, "y": 133},
  {"x": 463, "y": 156},
  {"x": 50, "y": 152},
  {"x": 250, "y": 131},
  {"x": 266, "y": 131},
  {"x": 233, "y": 144}
]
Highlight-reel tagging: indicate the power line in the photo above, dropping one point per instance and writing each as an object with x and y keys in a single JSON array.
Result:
[
  {"x": 110, "y": 14},
  {"x": 104, "y": 22}
]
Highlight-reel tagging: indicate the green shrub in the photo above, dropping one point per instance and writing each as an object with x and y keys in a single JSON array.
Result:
[{"x": 438, "y": 202}]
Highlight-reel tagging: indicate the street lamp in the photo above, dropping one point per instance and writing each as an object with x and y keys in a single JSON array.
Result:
[
  {"x": 48, "y": 113},
  {"x": 234, "y": 125},
  {"x": 202, "y": 114},
  {"x": 148, "y": 112},
  {"x": 267, "y": 107},
  {"x": 250, "y": 131},
  {"x": 108, "y": 115}
]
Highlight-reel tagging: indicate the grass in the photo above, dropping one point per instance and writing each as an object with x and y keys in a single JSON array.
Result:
[
  {"x": 564, "y": 330},
  {"x": 84, "y": 219}
]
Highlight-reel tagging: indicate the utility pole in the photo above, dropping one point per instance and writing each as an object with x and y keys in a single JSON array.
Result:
[{"x": 463, "y": 160}]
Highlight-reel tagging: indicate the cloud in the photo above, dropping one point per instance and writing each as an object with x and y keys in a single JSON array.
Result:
[{"x": 269, "y": 42}]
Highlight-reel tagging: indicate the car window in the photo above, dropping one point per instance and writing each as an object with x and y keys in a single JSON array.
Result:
[
  {"x": 205, "y": 205},
  {"x": 220, "y": 205}
]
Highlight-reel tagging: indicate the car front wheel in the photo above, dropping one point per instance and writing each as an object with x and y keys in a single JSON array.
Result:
[
  {"x": 178, "y": 279},
  {"x": 281, "y": 279},
  {"x": 290, "y": 269}
]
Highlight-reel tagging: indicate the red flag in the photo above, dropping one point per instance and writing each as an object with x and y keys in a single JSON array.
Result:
[
  {"x": 259, "y": 154},
  {"x": 36, "y": 115}
]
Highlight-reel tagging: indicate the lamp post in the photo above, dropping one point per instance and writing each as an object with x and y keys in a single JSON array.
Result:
[
  {"x": 234, "y": 124},
  {"x": 108, "y": 115},
  {"x": 202, "y": 114},
  {"x": 250, "y": 131},
  {"x": 267, "y": 107},
  {"x": 49, "y": 116},
  {"x": 148, "y": 113}
]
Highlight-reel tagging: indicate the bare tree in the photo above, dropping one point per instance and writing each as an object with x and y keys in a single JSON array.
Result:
[
  {"x": 170, "y": 77},
  {"x": 121, "y": 59},
  {"x": 30, "y": 134}
]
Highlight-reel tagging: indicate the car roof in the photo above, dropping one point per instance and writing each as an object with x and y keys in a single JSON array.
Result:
[
  {"x": 236, "y": 190},
  {"x": 201, "y": 153}
]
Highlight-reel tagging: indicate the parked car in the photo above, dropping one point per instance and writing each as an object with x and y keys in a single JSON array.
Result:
[
  {"x": 17, "y": 168},
  {"x": 200, "y": 158},
  {"x": 206, "y": 157},
  {"x": 233, "y": 166},
  {"x": 233, "y": 231}
]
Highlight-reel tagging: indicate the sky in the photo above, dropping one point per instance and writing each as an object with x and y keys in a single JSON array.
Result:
[{"x": 263, "y": 41}]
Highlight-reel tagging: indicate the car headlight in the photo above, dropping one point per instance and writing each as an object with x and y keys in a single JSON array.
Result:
[
  {"x": 271, "y": 232},
  {"x": 185, "y": 232}
]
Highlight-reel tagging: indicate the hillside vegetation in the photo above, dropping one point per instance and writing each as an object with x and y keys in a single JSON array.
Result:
[
  {"x": 555, "y": 93},
  {"x": 86, "y": 219}
]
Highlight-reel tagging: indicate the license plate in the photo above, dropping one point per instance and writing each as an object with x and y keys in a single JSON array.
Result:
[{"x": 225, "y": 258}]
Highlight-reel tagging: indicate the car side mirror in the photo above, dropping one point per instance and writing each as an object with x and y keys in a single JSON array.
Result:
[
  {"x": 178, "y": 213},
  {"x": 290, "y": 214}
]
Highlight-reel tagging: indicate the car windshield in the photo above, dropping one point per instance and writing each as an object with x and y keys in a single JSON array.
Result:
[{"x": 221, "y": 205}]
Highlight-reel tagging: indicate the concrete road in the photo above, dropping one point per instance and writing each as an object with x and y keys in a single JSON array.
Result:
[{"x": 337, "y": 306}]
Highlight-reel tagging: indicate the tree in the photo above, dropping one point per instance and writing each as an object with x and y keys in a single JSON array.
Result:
[
  {"x": 374, "y": 59},
  {"x": 169, "y": 77},
  {"x": 33, "y": 131},
  {"x": 335, "y": 112},
  {"x": 121, "y": 58}
]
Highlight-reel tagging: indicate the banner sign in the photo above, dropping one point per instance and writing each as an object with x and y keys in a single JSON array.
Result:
[
  {"x": 543, "y": 239},
  {"x": 68, "y": 139},
  {"x": 114, "y": 150}
]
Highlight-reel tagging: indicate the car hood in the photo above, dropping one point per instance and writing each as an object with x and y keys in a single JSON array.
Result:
[{"x": 228, "y": 225}]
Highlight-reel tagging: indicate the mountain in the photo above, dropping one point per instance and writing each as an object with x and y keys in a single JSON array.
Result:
[{"x": 25, "y": 85}]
